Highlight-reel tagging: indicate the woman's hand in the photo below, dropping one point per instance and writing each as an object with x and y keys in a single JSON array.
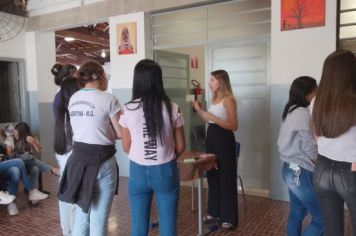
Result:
[
  {"x": 35, "y": 144},
  {"x": 196, "y": 106}
]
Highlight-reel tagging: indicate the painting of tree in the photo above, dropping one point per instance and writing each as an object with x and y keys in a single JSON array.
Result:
[{"x": 299, "y": 14}]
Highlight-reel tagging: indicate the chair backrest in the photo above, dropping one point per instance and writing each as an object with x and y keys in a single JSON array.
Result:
[
  {"x": 237, "y": 145},
  {"x": 199, "y": 136}
]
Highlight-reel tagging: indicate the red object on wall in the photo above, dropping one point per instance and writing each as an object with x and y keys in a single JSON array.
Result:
[
  {"x": 193, "y": 61},
  {"x": 197, "y": 91},
  {"x": 298, "y": 14}
]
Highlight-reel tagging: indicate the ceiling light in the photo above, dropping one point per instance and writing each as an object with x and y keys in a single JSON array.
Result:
[
  {"x": 103, "y": 54},
  {"x": 69, "y": 39}
]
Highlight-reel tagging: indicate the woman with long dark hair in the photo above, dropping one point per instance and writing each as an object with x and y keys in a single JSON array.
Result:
[
  {"x": 153, "y": 136},
  {"x": 222, "y": 119},
  {"x": 60, "y": 73},
  {"x": 334, "y": 124},
  {"x": 90, "y": 176},
  {"x": 63, "y": 141},
  {"x": 298, "y": 150},
  {"x": 26, "y": 145}
]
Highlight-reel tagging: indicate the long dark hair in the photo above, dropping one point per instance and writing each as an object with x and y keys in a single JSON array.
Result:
[
  {"x": 335, "y": 105},
  {"x": 60, "y": 72},
  {"x": 63, "y": 131},
  {"x": 148, "y": 87},
  {"x": 23, "y": 130},
  {"x": 299, "y": 90}
]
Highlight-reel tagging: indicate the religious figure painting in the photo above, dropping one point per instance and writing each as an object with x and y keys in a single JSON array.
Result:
[{"x": 126, "y": 38}]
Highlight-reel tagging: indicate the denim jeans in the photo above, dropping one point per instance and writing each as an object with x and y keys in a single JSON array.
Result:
[
  {"x": 335, "y": 184},
  {"x": 66, "y": 210},
  {"x": 95, "y": 222},
  {"x": 34, "y": 167},
  {"x": 14, "y": 169},
  {"x": 161, "y": 180},
  {"x": 303, "y": 199}
]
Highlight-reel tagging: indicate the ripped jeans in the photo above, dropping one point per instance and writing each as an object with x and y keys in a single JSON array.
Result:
[{"x": 303, "y": 199}]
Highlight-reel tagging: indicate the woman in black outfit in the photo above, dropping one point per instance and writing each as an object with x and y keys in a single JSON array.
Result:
[{"x": 222, "y": 119}]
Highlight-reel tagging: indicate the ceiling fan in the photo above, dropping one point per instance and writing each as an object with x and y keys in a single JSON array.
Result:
[{"x": 12, "y": 18}]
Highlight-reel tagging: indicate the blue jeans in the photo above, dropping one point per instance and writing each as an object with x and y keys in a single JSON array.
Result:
[
  {"x": 303, "y": 199},
  {"x": 14, "y": 169},
  {"x": 163, "y": 181},
  {"x": 66, "y": 210},
  {"x": 95, "y": 222},
  {"x": 34, "y": 167}
]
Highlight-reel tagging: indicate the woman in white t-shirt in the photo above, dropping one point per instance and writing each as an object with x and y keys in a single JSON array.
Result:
[
  {"x": 153, "y": 136},
  {"x": 334, "y": 124},
  {"x": 90, "y": 176}
]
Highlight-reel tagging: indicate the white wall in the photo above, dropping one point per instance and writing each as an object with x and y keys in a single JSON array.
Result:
[
  {"x": 31, "y": 61},
  {"x": 45, "y": 58},
  {"x": 294, "y": 53},
  {"x": 122, "y": 66},
  {"x": 301, "y": 52},
  {"x": 40, "y": 7},
  {"x": 14, "y": 48}
]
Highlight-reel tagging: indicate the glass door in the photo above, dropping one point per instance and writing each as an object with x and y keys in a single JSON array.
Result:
[{"x": 175, "y": 72}]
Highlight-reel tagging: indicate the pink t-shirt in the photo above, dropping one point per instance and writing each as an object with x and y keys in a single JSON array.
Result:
[{"x": 143, "y": 151}]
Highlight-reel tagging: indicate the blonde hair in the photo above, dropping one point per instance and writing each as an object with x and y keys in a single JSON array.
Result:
[{"x": 225, "y": 89}]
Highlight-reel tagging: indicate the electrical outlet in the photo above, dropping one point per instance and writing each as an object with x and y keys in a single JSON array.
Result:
[{"x": 189, "y": 97}]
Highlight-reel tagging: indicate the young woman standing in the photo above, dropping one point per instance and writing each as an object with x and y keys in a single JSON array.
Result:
[
  {"x": 63, "y": 142},
  {"x": 60, "y": 73},
  {"x": 334, "y": 124},
  {"x": 298, "y": 150},
  {"x": 222, "y": 119},
  {"x": 90, "y": 177},
  {"x": 153, "y": 136}
]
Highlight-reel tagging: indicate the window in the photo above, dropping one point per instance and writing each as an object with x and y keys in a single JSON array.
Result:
[{"x": 347, "y": 25}]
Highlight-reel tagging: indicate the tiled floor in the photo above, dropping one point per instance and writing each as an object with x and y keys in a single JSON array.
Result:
[{"x": 263, "y": 217}]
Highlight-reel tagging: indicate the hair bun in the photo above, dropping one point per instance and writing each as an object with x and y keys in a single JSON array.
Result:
[{"x": 56, "y": 68}]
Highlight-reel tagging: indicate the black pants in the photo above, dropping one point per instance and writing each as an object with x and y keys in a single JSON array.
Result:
[
  {"x": 335, "y": 184},
  {"x": 222, "y": 198}
]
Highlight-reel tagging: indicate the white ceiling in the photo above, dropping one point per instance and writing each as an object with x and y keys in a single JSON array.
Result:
[{"x": 40, "y": 7}]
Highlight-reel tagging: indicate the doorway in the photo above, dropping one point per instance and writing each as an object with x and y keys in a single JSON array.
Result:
[
  {"x": 13, "y": 97},
  {"x": 179, "y": 67}
]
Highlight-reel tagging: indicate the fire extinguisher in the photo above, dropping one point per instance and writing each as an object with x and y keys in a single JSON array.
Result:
[{"x": 197, "y": 90}]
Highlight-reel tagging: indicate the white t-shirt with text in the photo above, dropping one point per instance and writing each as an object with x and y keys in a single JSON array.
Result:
[
  {"x": 90, "y": 111},
  {"x": 142, "y": 150}
]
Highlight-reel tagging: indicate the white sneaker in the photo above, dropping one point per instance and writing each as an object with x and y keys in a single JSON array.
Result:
[
  {"x": 12, "y": 209},
  {"x": 6, "y": 198},
  {"x": 36, "y": 195}
]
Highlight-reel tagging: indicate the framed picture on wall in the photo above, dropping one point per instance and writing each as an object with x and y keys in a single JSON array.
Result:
[
  {"x": 299, "y": 14},
  {"x": 126, "y": 35}
]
